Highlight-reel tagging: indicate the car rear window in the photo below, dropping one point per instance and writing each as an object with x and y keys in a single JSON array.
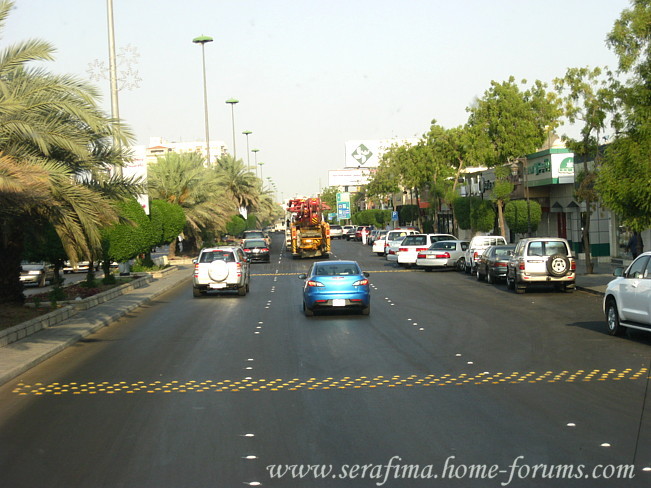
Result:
[
  {"x": 255, "y": 243},
  {"x": 210, "y": 256},
  {"x": 448, "y": 246},
  {"x": 337, "y": 270},
  {"x": 415, "y": 241},
  {"x": 547, "y": 248}
]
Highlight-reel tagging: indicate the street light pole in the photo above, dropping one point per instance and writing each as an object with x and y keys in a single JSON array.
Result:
[
  {"x": 255, "y": 153},
  {"x": 248, "y": 159},
  {"x": 232, "y": 102},
  {"x": 115, "y": 110},
  {"x": 261, "y": 163},
  {"x": 203, "y": 40}
]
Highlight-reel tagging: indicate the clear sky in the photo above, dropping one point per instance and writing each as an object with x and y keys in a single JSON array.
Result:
[{"x": 313, "y": 74}]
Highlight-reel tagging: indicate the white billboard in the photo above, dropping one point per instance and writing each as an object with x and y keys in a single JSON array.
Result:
[
  {"x": 366, "y": 153},
  {"x": 348, "y": 177}
]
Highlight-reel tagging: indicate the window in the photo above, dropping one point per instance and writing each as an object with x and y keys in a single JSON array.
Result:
[
  {"x": 638, "y": 268},
  {"x": 219, "y": 255}
]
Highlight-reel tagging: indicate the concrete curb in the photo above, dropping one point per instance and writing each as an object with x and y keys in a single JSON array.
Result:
[{"x": 20, "y": 356}]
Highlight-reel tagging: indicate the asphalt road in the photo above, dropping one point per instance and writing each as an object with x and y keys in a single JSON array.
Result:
[{"x": 448, "y": 380}]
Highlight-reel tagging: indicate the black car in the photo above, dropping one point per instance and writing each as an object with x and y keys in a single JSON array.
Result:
[
  {"x": 256, "y": 250},
  {"x": 492, "y": 264}
]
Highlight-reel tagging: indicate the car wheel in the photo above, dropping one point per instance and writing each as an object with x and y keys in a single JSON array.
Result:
[
  {"x": 558, "y": 265},
  {"x": 427, "y": 268},
  {"x": 489, "y": 277},
  {"x": 460, "y": 265},
  {"x": 569, "y": 287},
  {"x": 380, "y": 253},
  {"x": 520, "y": 289},
  {"x": 41, "y": 281},
  {"x": 248, "y": 287},
  {"x": 367, "y": 310},
  {"x": 241, "y": 290},
  {"x": 478, "y": 274},
  {"x": 510, "y": 282},
  {"x": 612, "y": 318},
  {"x": 196, "y": 292},
  {"x": 307, "y": 311}
]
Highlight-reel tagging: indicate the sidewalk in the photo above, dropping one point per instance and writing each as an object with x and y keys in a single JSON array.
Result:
[
  {"x": 602, "y": 274},
  {"x": 20, "y": 356}
]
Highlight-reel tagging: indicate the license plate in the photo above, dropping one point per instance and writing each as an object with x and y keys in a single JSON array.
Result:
[
  {"x": 339, "y": 302},
  {"x": 256, "y": 251},
  {"x": 217, "y": 285}
]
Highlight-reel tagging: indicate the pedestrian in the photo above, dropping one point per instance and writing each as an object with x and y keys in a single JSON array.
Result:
[
  {"x": 635, "y": 244},
  {"x": 364, "y": 235}
]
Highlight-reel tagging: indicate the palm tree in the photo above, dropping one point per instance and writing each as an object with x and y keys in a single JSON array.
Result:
[
  {"x": 238, "y": 183},
  {"x": 51, "y": 133},
  {"x": 182, "y": 179}
]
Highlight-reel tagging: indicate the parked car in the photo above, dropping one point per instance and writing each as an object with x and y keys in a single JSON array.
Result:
[
  {"x": 336, "y": 285},
  {"x": 221, "y": 268},
  {"x": 256, "y": 250},
  {"x": 441, "y": 254},
  {"x": 359, "y": 229},
  {"x": 627, "y": 301},
  {"x": 349, "y": 234},
  {"x": 492, "y": 264},
  {"x": 80, "y": 267},
  {"x": 256, "y": 234},
  {"x": 375, "y": 235},
  {"x": 392, "y": 242},
  {"x": 411, "y": 245},
  {"x": 336, "y": 232},
  {"x": 36, "y": 274},
  {"x": 541, "y": 260},
  {"x": 478, "y": 245}
]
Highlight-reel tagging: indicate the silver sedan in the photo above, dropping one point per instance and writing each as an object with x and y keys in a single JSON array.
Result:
[{"x": 441, "y": 255}]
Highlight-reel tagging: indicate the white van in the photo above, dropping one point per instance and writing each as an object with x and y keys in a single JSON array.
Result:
[{"x": 478, "y": 245}]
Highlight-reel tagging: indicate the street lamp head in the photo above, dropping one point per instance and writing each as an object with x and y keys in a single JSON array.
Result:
[
  {"x": 232, "y": 101},
  {"x": 255, "y": 150},
  {"x": 202, "y": 39},
  {"x": 246, "y": 132}
]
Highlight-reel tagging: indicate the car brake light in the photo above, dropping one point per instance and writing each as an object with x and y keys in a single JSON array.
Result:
[
  {"x": 264, "y": 249},
  {"x": 445, "y": 255},
  {"x": 391, "y": 251},
  {"x": 247, "y": 250},
  {"x": 363, "y": 282},
  {"x": 402, "y": 249},
  {"x": 421, "y": 255},
  {"x": 475, "y": 255},
  {"x": 500, "y": 265},
  {"x": 196, "y": 270},
  {"x": 314, "y": 283},
  {"x": 521, "y": 266},
  {"x": 421, "y": 249},
  {"x": 573, "y": 265}
]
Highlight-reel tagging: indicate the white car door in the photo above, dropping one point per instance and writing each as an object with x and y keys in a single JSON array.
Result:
[{"x": 635, "y": 290}]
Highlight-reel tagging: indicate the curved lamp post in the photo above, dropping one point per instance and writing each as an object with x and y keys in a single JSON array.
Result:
[
  {"x": 248, "y": 160},
  {"x": 203, "y": 40},
  {"x": 232, "y": 102}
]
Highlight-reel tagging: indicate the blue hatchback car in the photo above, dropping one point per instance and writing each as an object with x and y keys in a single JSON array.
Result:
[{"x": 336, "y": 285}]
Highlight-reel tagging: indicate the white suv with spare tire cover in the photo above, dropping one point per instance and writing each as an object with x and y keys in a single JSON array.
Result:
[
  {"x": 221, "y": 268},
  {"x": 541, "y": 260}
]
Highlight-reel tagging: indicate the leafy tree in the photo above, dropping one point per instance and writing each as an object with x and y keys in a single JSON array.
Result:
[
  {"x": 167, "y": 221},
  {"x": 519, "y": 216},
  {"x": 623, "y": 179},
  {"x": 508, "y": 123},
  {"x": 461, "y": 206},
  {"x": 588, "y": 99},
  {"x": 482, "y": 215},
  {"x": 236, "y": 225},
  {"x": 129, "y": 238}
]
